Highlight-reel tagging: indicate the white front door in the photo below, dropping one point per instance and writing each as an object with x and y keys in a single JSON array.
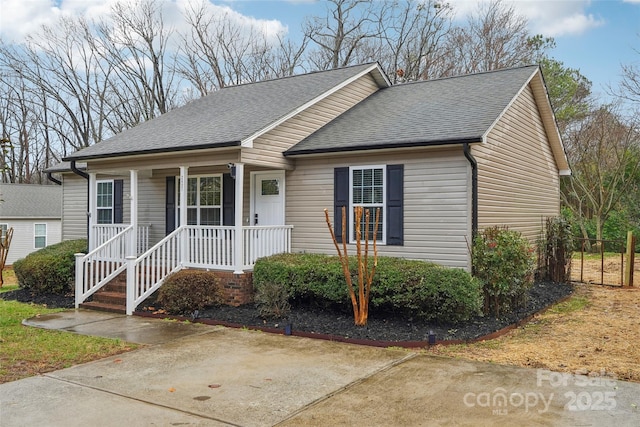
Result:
[{"x": 268, "y": 198}]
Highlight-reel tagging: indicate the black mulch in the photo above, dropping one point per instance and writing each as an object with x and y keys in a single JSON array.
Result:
[
  {"x": 380, "y": 327},
  {"x": 50, "y": 300}
]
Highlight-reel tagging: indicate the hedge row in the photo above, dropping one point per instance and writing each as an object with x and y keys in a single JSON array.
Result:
[{"x": 404, "y": 287}]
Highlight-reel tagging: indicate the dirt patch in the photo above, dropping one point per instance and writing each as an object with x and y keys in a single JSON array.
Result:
[
  {"x": 596, "y": 332},
  {"x": 610, "y": 272}
]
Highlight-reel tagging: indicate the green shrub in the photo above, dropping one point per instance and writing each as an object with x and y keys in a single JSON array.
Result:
[
  {"x": 50, "y": 269},
  {"x": 272, "y": 300},
  {"x": 185, "y": 291},
  {"x": 410, "y": 289},
  {"x": 503, "y": 262}
]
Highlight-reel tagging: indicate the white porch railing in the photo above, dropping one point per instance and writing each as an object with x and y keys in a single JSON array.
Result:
[
  {"x": 104, "y": 232},
  {"x": 147, "y": 273},
  {"x": 101, "y": 265},
  {"x": 261, "y": 241},
  {"x": 200, "y": 247}
]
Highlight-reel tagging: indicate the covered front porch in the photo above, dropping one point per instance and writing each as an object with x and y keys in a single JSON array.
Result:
[{"x": 247, "y": 225}]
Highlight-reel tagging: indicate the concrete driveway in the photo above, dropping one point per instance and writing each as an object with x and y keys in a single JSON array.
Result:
[{"x": 213, "y": 376}]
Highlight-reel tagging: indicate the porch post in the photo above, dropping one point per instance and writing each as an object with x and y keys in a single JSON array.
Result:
[
  {"x": 93, "y": 210},
  {"x": 133, "y": 242},
  {"x": 184, "y": 176},
  {"x": 239, "y": 240}
]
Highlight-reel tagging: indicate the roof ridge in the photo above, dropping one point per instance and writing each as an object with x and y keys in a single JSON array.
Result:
[
  {"x": 500, "y": 70},
  {"x": 309, "y": 73}
]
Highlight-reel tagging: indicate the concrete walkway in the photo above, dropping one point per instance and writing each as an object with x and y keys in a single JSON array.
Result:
[{"x": 196, "y": 375}]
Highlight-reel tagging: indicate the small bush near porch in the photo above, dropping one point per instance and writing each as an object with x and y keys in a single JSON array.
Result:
[
  {"x": 189, "y": 290},
  {"x": 407, "y": 288},
  {"x": 51, "y": 269}
]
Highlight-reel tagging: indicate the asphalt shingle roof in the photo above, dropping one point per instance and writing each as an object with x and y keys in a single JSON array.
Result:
[
  {"x": 30, "y": 201},
  {"x": 448, "y": 110},
  {"x": 222, "y": 118}
]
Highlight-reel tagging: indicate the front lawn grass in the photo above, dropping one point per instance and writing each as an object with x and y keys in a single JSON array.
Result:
[{"x": 27, "y": 351}]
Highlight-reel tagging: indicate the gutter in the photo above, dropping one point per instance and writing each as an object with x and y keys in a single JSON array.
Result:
[
  {"x": 52, "y": 179},
  {"x": 84, "y": 175},
  {"x": 474, "y": 189}
]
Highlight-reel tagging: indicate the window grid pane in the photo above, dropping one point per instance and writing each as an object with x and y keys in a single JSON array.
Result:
[
  {"x": 372, "y": 224},
  {"x": 367, "y": 190},
  {"x": 40, "y": 235},
  {"x": 204, "y": 200}
]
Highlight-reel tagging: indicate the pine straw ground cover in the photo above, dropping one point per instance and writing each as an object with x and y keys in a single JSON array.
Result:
[{"x": 595, "y": 332}]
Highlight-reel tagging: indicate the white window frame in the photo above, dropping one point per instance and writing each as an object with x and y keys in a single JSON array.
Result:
[
  {"x": 197, "y": 206},
  {"x": 3, "y": 229},
  {"x": 36, "y": 235},
  {"x": 98, "y": 209},
  {"x": 379, "y": 239}
]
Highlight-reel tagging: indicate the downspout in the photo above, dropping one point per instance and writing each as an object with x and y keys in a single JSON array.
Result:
[
  {"x": 84, "y": 175},
  {"x": 474, "y": 189},
  {"x": 52, "y": 179}
]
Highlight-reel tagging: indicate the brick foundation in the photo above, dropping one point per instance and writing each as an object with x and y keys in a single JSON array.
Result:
[{"x": 237, "y": 288}]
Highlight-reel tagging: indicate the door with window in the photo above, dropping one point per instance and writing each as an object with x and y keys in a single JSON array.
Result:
[{"x": 268, "y": 198}]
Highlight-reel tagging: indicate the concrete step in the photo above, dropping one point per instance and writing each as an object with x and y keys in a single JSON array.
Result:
[{"x": 111, "y": 308}]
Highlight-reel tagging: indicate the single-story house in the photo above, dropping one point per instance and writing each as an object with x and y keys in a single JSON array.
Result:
[
  {"x": 256, "y": 164},
  {"x": 34, "y": 212}
]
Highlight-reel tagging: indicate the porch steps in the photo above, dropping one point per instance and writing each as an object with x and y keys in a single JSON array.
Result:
[{"x": 111, "y": 298}]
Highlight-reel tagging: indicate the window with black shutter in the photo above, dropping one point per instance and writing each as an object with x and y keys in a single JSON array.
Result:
[{"x": 372, "y": 187}]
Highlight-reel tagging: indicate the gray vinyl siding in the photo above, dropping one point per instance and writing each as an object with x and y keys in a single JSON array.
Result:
[
  {"x": 74, "y": 207},
  {"x": 518, "y": 180},
  {"x": 267, "y": 149},
  {"x": 436, "y": 204}
]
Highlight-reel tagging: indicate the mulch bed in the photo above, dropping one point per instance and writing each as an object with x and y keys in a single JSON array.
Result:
[{"x": 380, "y": 327}]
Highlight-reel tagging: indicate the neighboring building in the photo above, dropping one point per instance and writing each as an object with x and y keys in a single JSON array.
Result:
[
  {"x": 34, "y": 212},
  {"x": 256, "y": 164}
]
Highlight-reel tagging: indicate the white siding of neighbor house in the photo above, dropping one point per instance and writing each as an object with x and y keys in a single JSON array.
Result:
[
  {"x": 436, "y": 203},
  {"x": 267, "y": 149},
  {"x": 518, "y": 180},
  {"x": 23, "y": 241},
  {"x": 74, "y": 207}
]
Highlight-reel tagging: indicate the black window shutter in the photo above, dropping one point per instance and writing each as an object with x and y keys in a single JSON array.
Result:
[
  {"x": 118, "y": 214},
  {"x": 340, "y": 199},
  {"x": 395, "y": 202},
  {"x": 170, "y": 204},
  {"x": 228, "y": 200}
]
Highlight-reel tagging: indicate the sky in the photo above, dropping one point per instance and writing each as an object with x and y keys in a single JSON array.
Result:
[{"x": 594, "y": 36}]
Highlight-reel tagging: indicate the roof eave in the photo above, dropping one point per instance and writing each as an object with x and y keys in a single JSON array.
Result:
[
  {"x": 384, "y": 146},
  {"x": 155, "y": 151}
]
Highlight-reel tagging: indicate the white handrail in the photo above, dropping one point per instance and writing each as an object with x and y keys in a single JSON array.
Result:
[
  {"x": 261, "y": 241},
  {"x": 147, "y": 273},
  {"x": 101, "y": 265},
  {"x": 104, "y": 232}
]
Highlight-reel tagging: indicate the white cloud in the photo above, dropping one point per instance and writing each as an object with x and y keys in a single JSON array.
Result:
[
  {"x": 549, "y": 18},
  {"x": 21, "y": 17}
]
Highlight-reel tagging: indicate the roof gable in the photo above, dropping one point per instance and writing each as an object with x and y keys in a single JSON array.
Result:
[
  {"x": 30, "y": 201},
  {"x": 227, "y": 117}
]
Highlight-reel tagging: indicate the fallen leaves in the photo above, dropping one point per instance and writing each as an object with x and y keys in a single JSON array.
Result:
[{"x": 602, "y": 336}]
